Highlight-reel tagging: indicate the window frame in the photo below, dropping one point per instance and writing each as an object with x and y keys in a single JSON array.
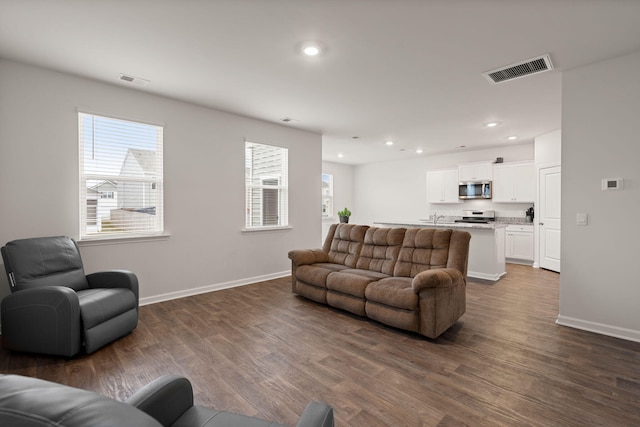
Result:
[
  {"x": 156, "y": 179},
  {"x": 255, "y": 202}
]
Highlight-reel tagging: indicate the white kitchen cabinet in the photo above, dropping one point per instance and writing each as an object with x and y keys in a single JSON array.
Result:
[
  {"x": 479, "y": 171},
  {"x": 442, "y": 186},
  {"x": 519, "y": 242},
  {"x": 514, "y": 183}
]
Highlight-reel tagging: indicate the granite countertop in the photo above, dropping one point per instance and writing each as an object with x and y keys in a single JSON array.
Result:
[{"x": 443, "y": 224}]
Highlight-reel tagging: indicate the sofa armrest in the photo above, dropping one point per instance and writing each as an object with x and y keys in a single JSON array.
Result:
[
  {"x": 308, "y": 256},
  {"x": 115, "y": 279},
  {"x": 316, "y": 414},
  {"x": 165, "y": 399},
  {"x": 42, "y": 320},
  {"x": 437, "y": 278}
]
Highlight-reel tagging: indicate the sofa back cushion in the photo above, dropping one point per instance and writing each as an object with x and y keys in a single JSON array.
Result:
[
  {"x": 346, "y": 243},
  {"x": 380, "y": 249},
  {"x": 44, "y": 261},
  {"x": 423, "y": 249}
]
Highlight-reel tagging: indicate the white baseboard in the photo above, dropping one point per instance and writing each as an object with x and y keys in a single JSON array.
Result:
[
  {"x": 210, "y": 288},
  {"x": 485, "y": 276},
  {"x": 519, "y": 261},
  {"x": 599, "y": 328}
]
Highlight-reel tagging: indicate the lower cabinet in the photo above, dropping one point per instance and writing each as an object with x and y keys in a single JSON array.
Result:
[{"x": 519, "y": 243}]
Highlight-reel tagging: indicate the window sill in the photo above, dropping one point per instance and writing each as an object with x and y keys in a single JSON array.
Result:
[
  {"x": 259, "y": 229},
  {"x": 114, "y": 240}
]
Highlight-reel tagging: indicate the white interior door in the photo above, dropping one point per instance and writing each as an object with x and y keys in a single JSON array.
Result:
[{"x": 549, "y": 217}]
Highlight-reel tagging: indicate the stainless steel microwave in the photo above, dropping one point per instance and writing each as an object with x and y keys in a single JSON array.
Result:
[{"x": 474, "y": 190}]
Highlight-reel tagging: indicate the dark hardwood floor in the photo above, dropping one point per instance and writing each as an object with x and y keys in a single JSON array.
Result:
[{"x": 260, "y": 350}]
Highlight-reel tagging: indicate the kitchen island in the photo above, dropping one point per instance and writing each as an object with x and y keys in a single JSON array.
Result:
[{"x": 486, "y": 249}]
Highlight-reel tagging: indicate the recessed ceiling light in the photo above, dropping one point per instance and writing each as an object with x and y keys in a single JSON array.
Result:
[
  {"x": 340, "y": 155},
  {"x": 419, "y": 151},
  {"x": 492, "y": 124},
  {"x": 389, "y": 143},
  {"x": 511, "y": 138},
  {"x": 311, "y": 48}
]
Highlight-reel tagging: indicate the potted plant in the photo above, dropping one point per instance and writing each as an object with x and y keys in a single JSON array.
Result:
[{"x": 344, "y": 215}]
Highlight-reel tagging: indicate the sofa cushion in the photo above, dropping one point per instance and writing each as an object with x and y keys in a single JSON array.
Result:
[
  {"x": 422, "y": 249},
  {"x": 346, "y": 244},
  {"x": 99, "y": 305},
  {"x": 352, "y": 281},
  {"x": 380, "y": 249},
  {"x": 207, "y": 417},
  {"x": 393, "y": 291},
  {"x": 316, "y": 274},
  {"x": 398, "y": 318}
]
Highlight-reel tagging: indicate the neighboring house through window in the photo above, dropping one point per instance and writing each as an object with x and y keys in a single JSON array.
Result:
[
  {"x": 266, "y": 186},
  {"x": 121, "y": 176}
]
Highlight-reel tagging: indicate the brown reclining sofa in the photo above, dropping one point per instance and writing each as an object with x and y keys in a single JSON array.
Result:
[{"x": 412, "y": 279}]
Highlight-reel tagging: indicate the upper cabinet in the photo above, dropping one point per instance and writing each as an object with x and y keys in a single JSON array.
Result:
[
  {"x": 479, "y": 171},
  {"x": 442, "y": 186},
  {"x": 514, "y": 183}
]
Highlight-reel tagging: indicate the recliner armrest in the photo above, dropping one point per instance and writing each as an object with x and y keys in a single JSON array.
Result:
[
  {"x": 316, "y": 414},
  {"x": 42, "y": 320},
  {"x": 165, "y": 399},
  {"x": 308, "y": 256},
  {"x": 114, "y": 279},
  {"x": 437, "y": 278}
]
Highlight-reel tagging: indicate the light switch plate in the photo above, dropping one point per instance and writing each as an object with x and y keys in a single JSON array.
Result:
[{"x": 581, "y": 219}]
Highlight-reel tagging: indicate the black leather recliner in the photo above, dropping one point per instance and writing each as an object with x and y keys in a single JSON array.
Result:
[
  {"x": 167, "y": 401},
  {"x": 56, "y": 309}
]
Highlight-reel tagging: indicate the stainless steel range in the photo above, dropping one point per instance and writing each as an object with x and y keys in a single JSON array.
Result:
[{"x": 478, "y": 217}]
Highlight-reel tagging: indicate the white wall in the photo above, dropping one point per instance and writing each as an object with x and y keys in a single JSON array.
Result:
[
  {"x": 548, "y": 149},
  {"x": 599, "y": 285},
  {"x": 397, "y": 190},
  {"x": 342, "y": 193},
  {"x": 204, "y": 182}
]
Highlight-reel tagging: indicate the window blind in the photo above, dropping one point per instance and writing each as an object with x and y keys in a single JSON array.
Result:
[
  {"x": 121, "y": 177},
  {"x": 266, "y": 186}
]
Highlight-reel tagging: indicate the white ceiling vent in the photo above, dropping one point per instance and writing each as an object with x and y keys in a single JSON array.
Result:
[
  {"x": 135, "y": 80},
  {"x": 525, "y": 68}
]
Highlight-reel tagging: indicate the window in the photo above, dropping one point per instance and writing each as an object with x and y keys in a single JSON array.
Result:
[
  {"x": 120, "y": 177},
  {"x": 327, "y": 195},
  {"x": 266, "y": 186}
]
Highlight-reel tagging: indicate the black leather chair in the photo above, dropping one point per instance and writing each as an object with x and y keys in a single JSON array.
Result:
[
  {"x": 54, "y": 308},
  {"x": 167, "y": 401}
]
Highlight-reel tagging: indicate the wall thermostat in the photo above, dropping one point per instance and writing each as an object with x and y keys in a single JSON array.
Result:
[{"x": 612, "y": 184}]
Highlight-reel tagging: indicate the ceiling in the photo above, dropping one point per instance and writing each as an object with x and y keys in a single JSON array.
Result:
[{"x": 409, "y": 71}]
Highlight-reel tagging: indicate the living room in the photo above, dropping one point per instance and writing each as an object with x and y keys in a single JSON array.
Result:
[{"x": 204, "y": 247}]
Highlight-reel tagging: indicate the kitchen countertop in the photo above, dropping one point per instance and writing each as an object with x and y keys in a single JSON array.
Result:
[{"x": 429, "y": 224}]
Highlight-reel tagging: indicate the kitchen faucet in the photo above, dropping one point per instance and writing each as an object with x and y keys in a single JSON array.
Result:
[{"x": 436, "y": 217}]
